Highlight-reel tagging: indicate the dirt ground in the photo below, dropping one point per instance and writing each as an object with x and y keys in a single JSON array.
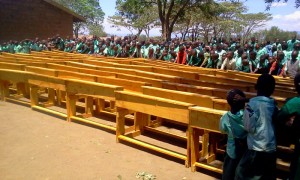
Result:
[{"x": 35, "y": 145}]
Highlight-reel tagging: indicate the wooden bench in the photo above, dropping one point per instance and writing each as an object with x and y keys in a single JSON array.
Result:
[
  {"x": 204, "y": 122},
  {"x": 143, "y": 106}
]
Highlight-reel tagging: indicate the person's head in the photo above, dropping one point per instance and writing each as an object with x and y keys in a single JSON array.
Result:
[
  {"x": 181, "y": 49},
  {"x": 201, "y": 55},
  {"x": 224, "y": 56},
  {"x": 297, "y": 46},
  {"x": 173, "y": 54},
  {"x": 265, "y": 85},
  {"x": 215, "y": 57},
  {"x": 252, "y": 55},
  {"x": 280, "y": 56},
  {"x": 240, "y": 52},
  {"x": 297, "y": 83},
  {"x": 274, "y": 49},
  {"x": 151, "y": 51},
  {"x": 157, "y": 51},
  {"x": 230, "y": 55},
  {"x": 294, "y": 55},
  {"x": 193, "y": 53},
  {"x": 257, "y": 46},
  {"x": 284, "y": 46},
  {"x": 236, "y": 104}
]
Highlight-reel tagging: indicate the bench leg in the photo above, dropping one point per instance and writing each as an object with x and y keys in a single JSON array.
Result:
[
  {"x": 140, "y": 121},
  {"x": 194, "y": 140},
  {"x": 205, "y": 142},
  {"x": 71, "y": 106},
  {"x": 89, "y": 106},
  {"x": 4, "y": 88},
  {"x": 112, "y": 106},
  {"x": 34, "y": 96},
  {"x": 120, "y": 118},
  {"x": 51, "y": 97},
  {"x": 58, "y": 96},
  {"x": 100, "y": 105}
]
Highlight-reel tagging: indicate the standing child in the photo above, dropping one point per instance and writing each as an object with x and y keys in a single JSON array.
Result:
[
  {"x": 289, "y": 115},
  {"x": 231, "y": 123},
  {"x": 259, "y": 161}
]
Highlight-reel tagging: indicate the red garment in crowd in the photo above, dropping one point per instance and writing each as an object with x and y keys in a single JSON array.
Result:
[{"x": 181, "y": 57}]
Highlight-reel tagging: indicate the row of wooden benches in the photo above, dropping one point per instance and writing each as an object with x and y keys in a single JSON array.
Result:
[{"x": 144, "y": 88}]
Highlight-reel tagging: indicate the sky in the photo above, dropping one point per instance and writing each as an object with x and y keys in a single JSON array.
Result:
[{"x": 285, "y": 16}]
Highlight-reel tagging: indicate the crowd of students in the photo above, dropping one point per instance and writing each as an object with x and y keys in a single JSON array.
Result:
[
  {"x": 253, "y": 132},
  {"x": 280, "y": 58}
]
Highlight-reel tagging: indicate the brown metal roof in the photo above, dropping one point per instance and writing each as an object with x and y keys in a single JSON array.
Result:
[{"x": 76, "y": 17}]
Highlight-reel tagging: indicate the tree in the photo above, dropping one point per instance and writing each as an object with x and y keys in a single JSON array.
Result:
[
  {"x": 89, "y": 9},
  {"x": 132, "y": 16},
  {"x": 274, "y": 32},
  {"x": 249, "y": 23},
  {"x": 169, "y": 11}
]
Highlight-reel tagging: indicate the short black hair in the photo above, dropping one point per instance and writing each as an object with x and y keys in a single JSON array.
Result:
[
  {"x": 297, "y": 83},
  {"x": 265, "y": 85},
  {"x": 235, "y": 104}
]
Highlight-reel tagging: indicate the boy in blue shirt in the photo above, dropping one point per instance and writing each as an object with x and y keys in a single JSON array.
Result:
[
  {"x": 231, "y": 123},
  {"x": 259, "y": 161}
]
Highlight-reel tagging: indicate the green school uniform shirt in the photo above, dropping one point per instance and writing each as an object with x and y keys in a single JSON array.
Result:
[
  {"x": 26, "y": 48},
  {"x": 290, "y": 44},
  {"x": 238, "y": 61},
  {"x": 261, "y": 52},
  {"x": 194, "y": 61},
  {"x": 244, "y": 68},
  {"x": 291, "y": 107},
  {"x": 19, "y": 49},
  {"x": 168, "y": 57},
  {"x": 96, "y": 46},
  {"x": 78, "y": 47},
  {"x": 232, "y": 125},
  {"x": 11, "y": 48}
]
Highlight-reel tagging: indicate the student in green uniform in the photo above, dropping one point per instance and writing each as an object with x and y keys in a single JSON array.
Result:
[
  {"x": 245, "y": 67},
  {"x": 213, "y": 61},
  {"x": 289, "y": 116},
  {"x": 291, "y": 43},
  {"x": 252, "y": 61},
  {"x": 78, "y": 46},
  {"x": 262, "y": 65},
  {"x": 231, "y": 124},
  {"x": 25, "y": 46},
  {"x": 11, "y": 47},
  {"x": 238, "y": 58},
  {"x": 193, "y": 59},
  {"x": 259, "y": 160},
  {"x": 157, "y": 53},
  {"x": 165, "y": 56}
]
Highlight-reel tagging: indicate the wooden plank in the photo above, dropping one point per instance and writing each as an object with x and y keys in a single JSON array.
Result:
[
  {"x": 193, "y": 98},
  {"x": 39, "y": 70},
  {"x": 169, "y": 109},
  {"x": 92, "y": 88},
  {"x": 205, "y": 118},
  {"x": 127, "y": 84}
]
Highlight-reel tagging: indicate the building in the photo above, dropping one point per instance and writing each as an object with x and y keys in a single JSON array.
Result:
[{"x": 21, "y": 19}]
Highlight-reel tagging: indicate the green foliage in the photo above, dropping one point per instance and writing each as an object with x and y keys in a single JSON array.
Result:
[
  {"x": 134, "y": 16},
  {"x": 274, "y": 32},
  {"x": 97, "y": 30},
  {"x": 89, "y": 9}
]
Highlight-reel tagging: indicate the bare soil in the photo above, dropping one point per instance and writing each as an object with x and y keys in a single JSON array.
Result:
[{"x": 34, "y": 145}]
